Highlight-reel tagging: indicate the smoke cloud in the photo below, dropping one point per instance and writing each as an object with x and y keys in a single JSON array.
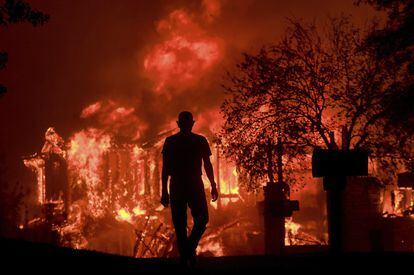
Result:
[{"x": 129, "y": 67}]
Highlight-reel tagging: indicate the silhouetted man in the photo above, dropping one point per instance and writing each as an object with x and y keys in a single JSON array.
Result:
[{"x": 183, "y": 154}]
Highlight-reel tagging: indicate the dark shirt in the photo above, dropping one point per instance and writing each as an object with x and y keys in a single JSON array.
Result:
[{"x": 183, "y": 154}]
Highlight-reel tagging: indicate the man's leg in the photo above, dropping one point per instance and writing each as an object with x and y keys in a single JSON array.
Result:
[
  {"x": 179, "y": 218},
  {"x": 199, "y": 211}
]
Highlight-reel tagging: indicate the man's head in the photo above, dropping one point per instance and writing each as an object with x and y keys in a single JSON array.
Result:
[{"x": 185, "y": 121}]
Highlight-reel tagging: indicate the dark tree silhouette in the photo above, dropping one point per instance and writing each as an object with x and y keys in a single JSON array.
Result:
[
  {"x": 394, "y": 44},
  {"x": 395, "y": 40},
  {"x": 312, "y": 83},
  {"x": 252, "y": 121},
  {"x": 14, "y": 12},
  {"x": 11, "y": 195}
]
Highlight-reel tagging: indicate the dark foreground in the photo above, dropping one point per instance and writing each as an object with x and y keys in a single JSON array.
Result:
[{"x": 47, "y": 259}]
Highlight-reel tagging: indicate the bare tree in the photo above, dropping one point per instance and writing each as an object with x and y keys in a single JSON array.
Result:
[
  {"x": 311, "y": 86},
  {"x": 252, "y": 120},
  {"x": 394, "y": 44}
]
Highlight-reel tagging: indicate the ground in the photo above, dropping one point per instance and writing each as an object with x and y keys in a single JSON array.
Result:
[{"x": 37, "y": 258}]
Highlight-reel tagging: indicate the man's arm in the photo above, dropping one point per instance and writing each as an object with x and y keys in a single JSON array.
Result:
[
  {"x": 208, "y": 167},
  {"x": 165, "y": 198}
]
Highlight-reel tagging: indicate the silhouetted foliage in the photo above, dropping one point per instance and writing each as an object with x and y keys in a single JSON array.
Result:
[
  {"x": 394, "y": 44},
  {"x": 311, "y": 83},
  {"x": 13, "y": 12},
  {"x": 11, "y": 195}
]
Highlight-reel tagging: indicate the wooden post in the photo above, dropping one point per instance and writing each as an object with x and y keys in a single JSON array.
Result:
[
  {"x": 147, "y": 185},
  {"x": 279, "y": 161},
  {"x": 156, "y": 176},
  {"x": 218, "y": 176},
  {"x": 276, "y": 204},
  {"x": 270, "y": 160},
  {"x": 334, "y": 166}
]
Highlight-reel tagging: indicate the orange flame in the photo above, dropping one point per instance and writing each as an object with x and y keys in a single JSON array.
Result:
[
  {"x": 124, "y": 215},
  {"x": 84, "y": 156},
  {"x": 292, "y": 230},
  {"x": 91, "y": 110}
]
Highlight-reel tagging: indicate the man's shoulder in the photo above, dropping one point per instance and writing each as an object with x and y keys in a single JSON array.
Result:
[
  {"x": 192, "y": 135},
  {"x": 199, "y": 137},
  {"x": 172, "y": 137}
]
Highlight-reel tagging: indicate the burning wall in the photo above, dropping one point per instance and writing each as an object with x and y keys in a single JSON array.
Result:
[{"x": 50, "y": 168}]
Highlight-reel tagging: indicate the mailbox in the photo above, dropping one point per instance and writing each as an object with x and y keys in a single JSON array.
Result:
[
  {"x": 328, "y": 163},
  {"x": 406, "y": 180},
  {"x": 335, "y": 166}
]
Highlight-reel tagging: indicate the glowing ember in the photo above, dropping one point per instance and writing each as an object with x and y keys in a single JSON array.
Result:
[
  {"x": 213, "y": 247},
  {"x": 37, "y": 164},
  {"x": 138, "y": 211},
  {"x": 292, "y": 231},
  {"x": 227, "y": 188},
  {"x": 120, "y": 113},
  {"x": 291, "y": 226},
  {"x": 91, "y": 110},
  {"x": 124, "y": 215}
]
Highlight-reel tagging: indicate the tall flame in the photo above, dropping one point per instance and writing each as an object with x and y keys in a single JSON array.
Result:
[{"x": 84, "y": 156}]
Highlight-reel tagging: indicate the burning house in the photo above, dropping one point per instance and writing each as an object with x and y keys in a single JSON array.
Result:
[
  {"x": 101, "y": 195},
  {"x": 92, "y": 182},
  {"x": 95, "y": 193}
]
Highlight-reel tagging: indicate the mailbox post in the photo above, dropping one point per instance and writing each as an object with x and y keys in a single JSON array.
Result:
[
  {"x": 276, "y": 206},
  {"x": 334, "y": 166}
]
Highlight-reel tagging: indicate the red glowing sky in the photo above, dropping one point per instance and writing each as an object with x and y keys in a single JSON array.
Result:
[{"x": 153, "y": 58}]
